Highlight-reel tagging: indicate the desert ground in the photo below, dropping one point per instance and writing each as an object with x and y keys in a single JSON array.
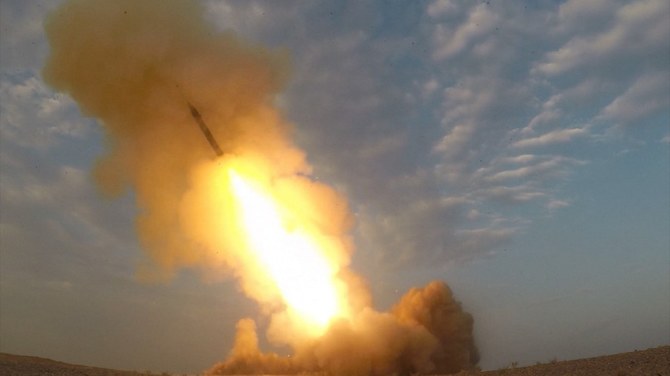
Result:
[{"x": 651, "y": 362}]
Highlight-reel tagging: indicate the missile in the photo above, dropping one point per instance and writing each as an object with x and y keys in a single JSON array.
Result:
[{"x": 205, "y": 130}]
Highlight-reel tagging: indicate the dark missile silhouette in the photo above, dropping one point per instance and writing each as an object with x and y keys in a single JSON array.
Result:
[{"x": 205, "y": 130}]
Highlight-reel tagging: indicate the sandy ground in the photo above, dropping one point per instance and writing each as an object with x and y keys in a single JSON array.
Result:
[{"x": 652, "y": 362}]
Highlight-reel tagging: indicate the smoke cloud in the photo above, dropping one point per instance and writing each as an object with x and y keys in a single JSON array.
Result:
[
  {"x": 136, "y": 66},
  {"x": 426, "y": 331}
]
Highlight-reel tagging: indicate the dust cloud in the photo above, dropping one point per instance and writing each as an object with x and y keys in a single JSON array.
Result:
[{"x": 426, "y": 331}]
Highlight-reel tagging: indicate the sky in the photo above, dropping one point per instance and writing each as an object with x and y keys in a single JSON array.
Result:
[{"x": 520, "y": 152}]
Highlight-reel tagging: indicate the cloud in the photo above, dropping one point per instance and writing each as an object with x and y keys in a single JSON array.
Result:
[
  {"x": 450, "y": 42},
  {"x": 582, "y": 17},
  {"x": 64, "y": 208},
  {"x": 475, "y": 112},
  {"x": 558, "y": 107},
  {"x": 638, "y": 31},
  {"x": 256, "y": 20},
  {"x": 441, "y": 7},
  {"x": 557, "y": 204},
  {"x": 522, "y": 179},
  {"x": 22, "y": 45},
  {"x": 512, "y": 194},
  {"x": 35, "y": 117},
  {"x": 612, "y": 69},
  {"x": 551, "y": 138},
  {"x": 518, "y": 159},
  {"x": 527, "y": 171},
  {"x": 648, "y": 95}
]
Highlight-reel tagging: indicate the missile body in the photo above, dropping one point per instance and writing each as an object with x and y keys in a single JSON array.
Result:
[{"x": 205, "y": 130}]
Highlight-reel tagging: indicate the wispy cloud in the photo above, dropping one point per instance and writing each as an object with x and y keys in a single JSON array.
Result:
[
  {"x": 33, "y": 116},
  {"x": 557, "y": 204},
  {"x": 639, "y": 27},
  {"x": 450, "y": 42},
  {"x": 550, "y": 138},
  {"x": 441, "y": 7},
  {"x": 543, "y": 167},
  {"x": 649, "y": 94}
]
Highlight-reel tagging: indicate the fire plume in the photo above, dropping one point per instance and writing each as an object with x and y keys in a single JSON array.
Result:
[
  {"x": 289, "y": 255},
  {"x": 254, "y": 213}
]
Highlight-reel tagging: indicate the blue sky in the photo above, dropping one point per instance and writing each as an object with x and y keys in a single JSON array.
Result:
[{"x": 519, "y": 152}]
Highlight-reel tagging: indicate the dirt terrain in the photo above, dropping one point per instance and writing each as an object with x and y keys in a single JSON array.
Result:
[
  {"x": 15, "y": 365},
  {"x": 651, "y": 362}
]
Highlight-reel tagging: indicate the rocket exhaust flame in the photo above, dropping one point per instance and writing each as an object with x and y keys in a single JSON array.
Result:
[
  {"x": 291, "y": 257},
  {"x": 254, "y": 213}
]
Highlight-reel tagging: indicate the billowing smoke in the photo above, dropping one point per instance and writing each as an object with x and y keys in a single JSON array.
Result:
[
  {"x": 426, "y": 331},
  {"x": 136, "y": 66}
]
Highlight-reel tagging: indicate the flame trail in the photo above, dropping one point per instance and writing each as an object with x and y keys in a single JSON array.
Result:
[
  {"x": 253, "y": 213},
  {"x": 292, "y": 258}
]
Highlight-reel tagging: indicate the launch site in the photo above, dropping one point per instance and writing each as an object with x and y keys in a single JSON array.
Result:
[{"x": 202, "y": 187}]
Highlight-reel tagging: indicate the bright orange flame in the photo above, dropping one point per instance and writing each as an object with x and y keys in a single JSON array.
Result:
[{"x": 292, "y": 258}]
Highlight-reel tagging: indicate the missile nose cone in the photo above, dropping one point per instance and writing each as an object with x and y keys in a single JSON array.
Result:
[{"x": 194, "y": 111}]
